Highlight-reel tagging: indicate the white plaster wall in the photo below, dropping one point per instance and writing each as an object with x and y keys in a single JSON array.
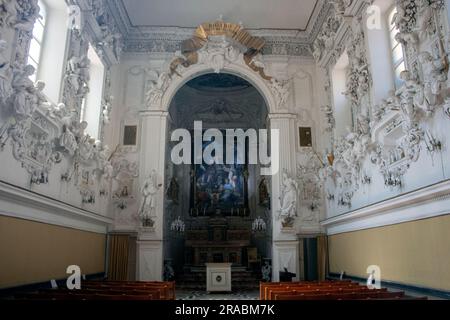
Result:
[
  {"x": 428, "y": 170},
  {"x": 12, "y": 172}
]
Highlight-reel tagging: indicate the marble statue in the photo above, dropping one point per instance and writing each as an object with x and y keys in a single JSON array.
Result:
[
  {"x": 78, "y": 73},
  {"x": 68, "y": 140},
  {"x": 169, "y": 272},
  {"x": 29, "y": 13},
  {"x": 86, "y": 148},
  {"x": 329, "y": 116},
  {"x": 266, "y": 271},
  {"x": 363, "y": 124},
  {"x": 70, "y": 131},
  {"x": 173, "y": 190},
  {"x": 411, "y": 97},
  {"x": 106, "y": 110},
  {"x": 106, "y": 178},
  {"x": 393, "y": 102},
  {"x": 281, "y": 91},
  {"x": 8, "y": 13},
  {"x": 23, "y": 90},
  {"x": 288, "y": 200},
  {"x": 157, "y": 89},
  {"x": 149, "y": 191},
  {"x": 264, "y": 196},
  {"x": 217, "y": 52},
  {"x": 79, "y": 128},
  {"x": 39, "y": 98},
  {"x": 434, "y": 76}
]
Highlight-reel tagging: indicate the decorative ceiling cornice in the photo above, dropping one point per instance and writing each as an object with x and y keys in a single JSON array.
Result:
[{"x": 168, "y": 39}]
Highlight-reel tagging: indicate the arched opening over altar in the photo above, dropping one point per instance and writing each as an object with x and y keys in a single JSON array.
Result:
[{"x": 224, "y": 209}]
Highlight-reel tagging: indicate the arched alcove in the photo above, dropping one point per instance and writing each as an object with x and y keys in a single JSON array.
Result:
[
  {"x": 238, "y": 69},
  {"x": 218, "y": 203}
]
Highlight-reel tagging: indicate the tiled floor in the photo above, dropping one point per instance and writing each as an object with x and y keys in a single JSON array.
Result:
[{"x": 203, "y": 295}]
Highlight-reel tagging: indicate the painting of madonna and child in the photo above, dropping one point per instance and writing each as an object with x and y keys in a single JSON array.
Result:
[{"x": 220, "y": 189}]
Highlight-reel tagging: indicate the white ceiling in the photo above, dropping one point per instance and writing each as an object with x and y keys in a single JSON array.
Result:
[{"x": 254, "y": 14}]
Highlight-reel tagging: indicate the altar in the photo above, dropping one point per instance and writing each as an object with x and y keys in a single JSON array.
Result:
[
  {"x": 218, "y": 277},
  {"x": 216, "y": 244}
]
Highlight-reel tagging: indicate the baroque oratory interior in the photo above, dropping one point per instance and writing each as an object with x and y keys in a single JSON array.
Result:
[{"x": 187, "y": 148}]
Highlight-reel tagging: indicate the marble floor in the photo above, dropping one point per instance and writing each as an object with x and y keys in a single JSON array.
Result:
[{"x": 204, "y": 295}]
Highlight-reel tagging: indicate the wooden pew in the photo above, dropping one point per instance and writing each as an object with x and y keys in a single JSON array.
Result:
[
  {"x": 108, "y": 290},
  {"x": 327, "y": 290}
]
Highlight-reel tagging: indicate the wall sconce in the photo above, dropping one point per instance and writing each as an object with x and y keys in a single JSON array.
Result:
[
  {"x": 313, "y": 207},
  {"x": 366, "y": 179},
  {"x": 432, "y": 143},
  {"x": 393, "y": 180},
  {"x": 259, "y": 225},
  {"x": 343, "y": 203},
  {"x": 178, "y": 225},
  {"x": 330, "y": 158},
  {"x": 122, "y": 205},
  {"x": 447, "y": 107},
  {"x": 345, "y": 200}
]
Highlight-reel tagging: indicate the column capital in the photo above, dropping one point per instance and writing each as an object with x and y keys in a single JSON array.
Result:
[
  {"x": 285, "y": 115},
  {"x": 154, "y": 113}
]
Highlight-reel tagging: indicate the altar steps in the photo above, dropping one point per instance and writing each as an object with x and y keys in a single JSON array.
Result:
[{"x": 241, "y": 279}]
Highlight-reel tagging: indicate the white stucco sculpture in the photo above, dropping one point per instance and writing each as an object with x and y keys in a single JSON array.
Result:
[
  {"x": 148, "y": 205},
  {"x": 288, "y": 200},
  {"x": 5, "y": 72},
  {"x": 23, "y": 89}
]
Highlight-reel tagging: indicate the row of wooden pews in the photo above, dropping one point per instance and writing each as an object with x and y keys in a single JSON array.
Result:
[
  {"x": 108, "y": 290},
  {"x": 325, "y": 290}
]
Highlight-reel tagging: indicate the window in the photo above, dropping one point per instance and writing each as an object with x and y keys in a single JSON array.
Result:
[
  {"x": 129, "y": 135},
  {"x": 92, "y": 105},
  {"x": 34, "y": 54},
  {"x": 343, "y": 111},
  {"x": 398, "y": 60},
  {"x": 305, "y": 136}
]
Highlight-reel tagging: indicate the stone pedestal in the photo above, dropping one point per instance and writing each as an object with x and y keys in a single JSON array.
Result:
[
  {"x": 152, "y": 157},
  {"x": 149, "y": 260},
  {"x": 218, "y": 277},
  {"x": 153, "y": 125},
  {"x": 286, "y": 255},
  {"x": 285, "y": 252}
]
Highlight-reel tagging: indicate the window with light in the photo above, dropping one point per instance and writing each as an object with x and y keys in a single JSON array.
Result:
[
  {"x": 34, "y": 54},
  {"x": 398, "y": 59}
]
